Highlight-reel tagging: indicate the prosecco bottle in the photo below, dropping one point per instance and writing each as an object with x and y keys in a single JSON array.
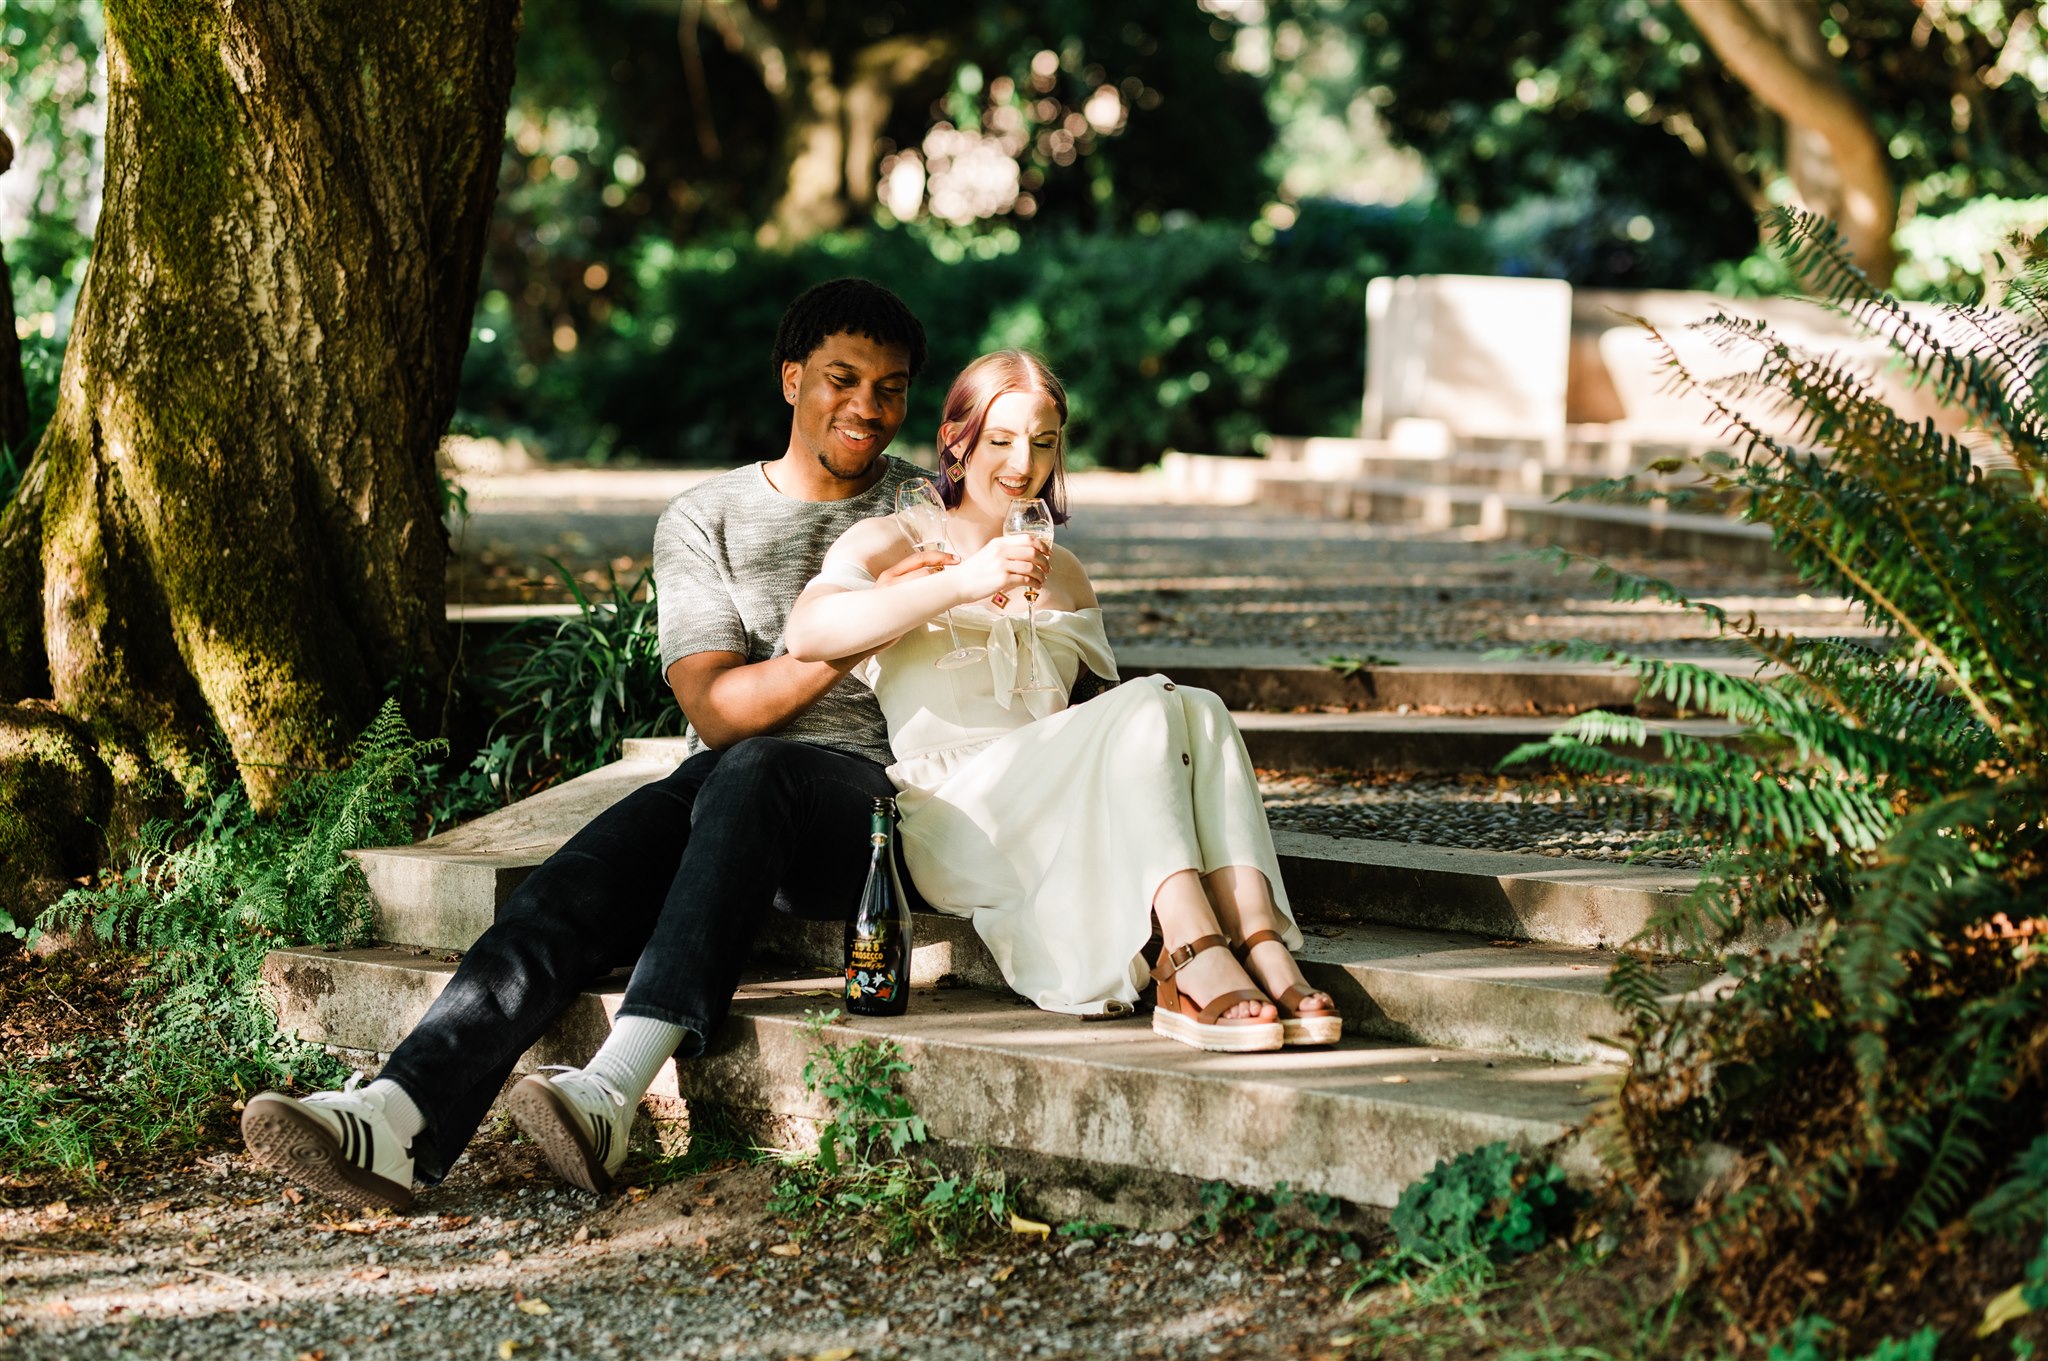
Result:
[{"x": 878, "y": 936}]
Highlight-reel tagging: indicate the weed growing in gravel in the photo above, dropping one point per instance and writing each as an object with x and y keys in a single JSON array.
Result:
[
  {"x": 861, "y": 1182},
  {"x": 1290, "y": 1227},
  {"x": 201, "y": 903}
]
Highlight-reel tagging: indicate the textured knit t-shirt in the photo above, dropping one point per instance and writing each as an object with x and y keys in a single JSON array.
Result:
[{"x": 731, "y": 556}]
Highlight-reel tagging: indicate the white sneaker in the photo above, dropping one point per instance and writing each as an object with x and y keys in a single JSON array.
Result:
[
  {"x": 579, "y": 1120},
  {"x": 338, "y": 1144}
]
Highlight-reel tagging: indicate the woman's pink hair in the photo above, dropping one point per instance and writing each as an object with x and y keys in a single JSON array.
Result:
[{"x": 966, "y": 411}]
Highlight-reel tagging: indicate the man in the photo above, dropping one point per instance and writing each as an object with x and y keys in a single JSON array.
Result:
[{"x": 771, "y": 808}]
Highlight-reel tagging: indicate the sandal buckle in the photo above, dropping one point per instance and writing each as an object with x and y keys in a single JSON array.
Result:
[{"x": 1180, "y": 955}]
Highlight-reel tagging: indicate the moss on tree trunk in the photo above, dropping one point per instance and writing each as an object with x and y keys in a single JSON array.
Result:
[{"x": 241, "y": 521}]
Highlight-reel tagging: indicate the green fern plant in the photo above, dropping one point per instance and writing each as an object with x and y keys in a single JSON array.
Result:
[
  {"x": 1881, "y": 1064},
  {"x": 203, "y": 902}
]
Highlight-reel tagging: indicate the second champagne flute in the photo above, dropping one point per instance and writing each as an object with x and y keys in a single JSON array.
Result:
[
  {"x": 924, "y": 515},
  {"x": 1031, "y": 516}
]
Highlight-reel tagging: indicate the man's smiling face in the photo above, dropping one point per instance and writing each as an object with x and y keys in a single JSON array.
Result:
[{"x": 848, "y": 395}]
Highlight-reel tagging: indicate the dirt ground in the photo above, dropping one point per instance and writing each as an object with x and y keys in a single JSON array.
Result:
[{"x": 501, "y": 1261}]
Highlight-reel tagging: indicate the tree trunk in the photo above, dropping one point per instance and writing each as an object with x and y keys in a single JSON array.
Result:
[
  {"x": 242, "y": 523},
  {"x": 1833, "y": 156}
]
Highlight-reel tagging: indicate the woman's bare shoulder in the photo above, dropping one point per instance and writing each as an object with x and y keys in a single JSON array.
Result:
[
  {"x": 876, "y": 543},
  {"x": 1070, "y": 579}
]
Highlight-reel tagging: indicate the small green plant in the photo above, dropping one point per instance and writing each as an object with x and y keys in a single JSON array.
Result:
[
  {"x": 1349, "y": 666},
  {"x": 862, "y": 1180},
  {"x": 202, "y": 902},
  {"x": 1294, "y": 1227},
  {"x": 1485, "y": 1201}
]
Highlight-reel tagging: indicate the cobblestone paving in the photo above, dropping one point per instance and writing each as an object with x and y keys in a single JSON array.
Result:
[{"x": 1541, "y": 816}]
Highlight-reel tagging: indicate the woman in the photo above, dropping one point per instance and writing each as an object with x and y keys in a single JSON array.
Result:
[{"x": 1062, "y": 831}]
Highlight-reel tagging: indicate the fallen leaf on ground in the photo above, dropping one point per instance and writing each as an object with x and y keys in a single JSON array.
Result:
[
  {"x": 2003, "y": 1309},
  {"x": 317, "y": 1354},
  {"x": 833, "y": 1354},
  {"x": 1019, "y": 1224},
  {"x": 1003, "y": 1273},
  {"x": 294, "y": 1196},
  {"x": 154, "y": 1207},
  {"x": 457, "y": 1221},
  {"x": 535, "y": 1307},
  {"x": 507, "y": 1347},
  {"x": 582, "y": 1235},
  {"x": 62, "y": 1309},
  {"x": 58, "y": 1209},
  {"x": 372, "y": 1273},
  {"x": 786, "y": 1250}
]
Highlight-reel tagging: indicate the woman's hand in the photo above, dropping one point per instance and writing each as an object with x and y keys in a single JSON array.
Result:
[{"x": 1012, "y": 562}]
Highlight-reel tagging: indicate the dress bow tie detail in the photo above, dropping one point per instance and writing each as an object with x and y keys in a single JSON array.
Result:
[{"x": 1007, "y": 639}]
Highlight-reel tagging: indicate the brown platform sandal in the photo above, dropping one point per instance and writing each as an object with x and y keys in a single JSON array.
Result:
[
  {"x": 1176, "y": 1016},
  {"x": 1325, "y": 1027}
]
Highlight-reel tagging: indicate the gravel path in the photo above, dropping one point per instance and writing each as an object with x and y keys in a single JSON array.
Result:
[
  {"x": 502, "y": 1263},
  {"x": 1542, "y": 816}
]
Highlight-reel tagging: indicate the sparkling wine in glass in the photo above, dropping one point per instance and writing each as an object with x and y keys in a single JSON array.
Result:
[
  {"x": 924, "y": 518},
  {"x": 1031, "y": 516}
]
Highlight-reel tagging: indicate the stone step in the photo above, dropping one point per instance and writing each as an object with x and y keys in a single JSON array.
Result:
[
  {"x": 1426, "y": 744},
  {"x": 445, "y": 891},
  {"x": 1390, "y": 982},
  {"x": 1359, "y": 1121},
  {"x": 1475, "y": 512},
  {"x": 1446, "y": 683}
]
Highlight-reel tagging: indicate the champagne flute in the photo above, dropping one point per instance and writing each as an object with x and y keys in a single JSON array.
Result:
[
  {"x": 1031, "y": 516},
  {"x": 924, "y": 517}
]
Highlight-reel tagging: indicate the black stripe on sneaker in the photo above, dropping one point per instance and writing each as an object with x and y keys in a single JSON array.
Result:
[{"x": 604, "y": 1140}]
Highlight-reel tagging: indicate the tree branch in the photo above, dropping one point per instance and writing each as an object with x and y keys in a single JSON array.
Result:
[{"x": 1810, "y": 95}]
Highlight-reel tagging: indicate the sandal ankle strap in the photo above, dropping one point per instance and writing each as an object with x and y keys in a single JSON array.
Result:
[
  {"x": 1173, "y": 960},
  {"x": 1260, "y": 938}
]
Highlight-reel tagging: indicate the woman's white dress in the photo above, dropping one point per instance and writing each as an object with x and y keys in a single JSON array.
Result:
[{"x": 1053, "y": 827}]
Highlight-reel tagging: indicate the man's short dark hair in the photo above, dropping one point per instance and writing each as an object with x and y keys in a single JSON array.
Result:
[{"x": 855, "y": 306}]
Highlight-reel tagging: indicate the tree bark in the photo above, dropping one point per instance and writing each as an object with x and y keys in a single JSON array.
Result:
[
  {"x": 1833, "y": 155},
  {"x": 241, "y": 527}
]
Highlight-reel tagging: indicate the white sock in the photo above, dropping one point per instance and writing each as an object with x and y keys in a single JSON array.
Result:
[
  {"x": 406, "y": 1120},
  {"x": 634, "y": 1053}
]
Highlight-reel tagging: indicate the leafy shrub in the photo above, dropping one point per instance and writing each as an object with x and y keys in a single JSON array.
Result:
[
  {"x": 566, "y": 694},
  {"x": 1195, "y": 336},
  {"x": 204, "y": 902},
  {"x": 1483, "y": 1201},
  {"x": 1881, "y": 1068}
]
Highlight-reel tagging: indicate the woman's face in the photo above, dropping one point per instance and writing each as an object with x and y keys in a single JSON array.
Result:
[{"x": 1015, "y": 456}]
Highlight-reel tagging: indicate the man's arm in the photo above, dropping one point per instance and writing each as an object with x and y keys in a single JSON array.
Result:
[{"x": 726, "y": 698}]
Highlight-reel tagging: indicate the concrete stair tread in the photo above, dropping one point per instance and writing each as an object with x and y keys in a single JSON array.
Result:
[
  {"x": 1390, "y": 982},
  {"x": 1360, "y": 1120},
  {"x": 1533, "y": 725}
]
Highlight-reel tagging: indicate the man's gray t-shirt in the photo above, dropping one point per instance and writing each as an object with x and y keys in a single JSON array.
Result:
[{"x": 730, "y": 558}]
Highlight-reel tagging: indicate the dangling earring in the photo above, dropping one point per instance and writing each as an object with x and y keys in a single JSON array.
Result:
[{"x": 957, "y": 469}]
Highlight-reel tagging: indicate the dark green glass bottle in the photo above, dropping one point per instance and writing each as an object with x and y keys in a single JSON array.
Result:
[{"x": 878, "y": 936}]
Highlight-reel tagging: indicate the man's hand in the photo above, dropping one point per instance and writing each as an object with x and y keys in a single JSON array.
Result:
[{"x": 917, "y": 564}]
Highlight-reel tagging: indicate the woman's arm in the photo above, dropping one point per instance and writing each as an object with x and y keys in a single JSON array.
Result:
[
  {"x": 831, "y": 622},
  {"x": 727, "y": 698}
]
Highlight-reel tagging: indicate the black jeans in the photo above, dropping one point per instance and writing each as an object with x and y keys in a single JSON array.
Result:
[{"x": 673, "y": 879}]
